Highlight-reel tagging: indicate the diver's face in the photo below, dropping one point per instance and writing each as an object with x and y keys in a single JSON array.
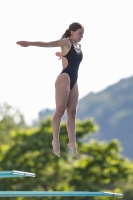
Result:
[{"x": 77, "y": 35}]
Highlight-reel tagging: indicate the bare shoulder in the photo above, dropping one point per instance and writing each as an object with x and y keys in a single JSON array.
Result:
[
  {"x": 66, "y": 47},
  {"x": 59, "y": 43},
  {"x": 67, "y": 43}
]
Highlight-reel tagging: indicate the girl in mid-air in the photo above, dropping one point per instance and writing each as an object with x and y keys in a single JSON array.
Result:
[{"x": 66, "y": 87}]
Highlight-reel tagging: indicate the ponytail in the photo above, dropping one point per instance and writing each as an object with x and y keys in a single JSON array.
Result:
[
  {"x": 66, "y": 34},
  {"x": 72, "y": 27}
]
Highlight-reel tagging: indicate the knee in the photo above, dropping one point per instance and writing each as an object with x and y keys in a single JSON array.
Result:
[
  {"x": 71, "y": 113},
  {"x": 60, "y": 111}
]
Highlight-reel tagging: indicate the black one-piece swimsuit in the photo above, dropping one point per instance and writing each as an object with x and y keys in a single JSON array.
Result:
[{"x": 74, "y": 57}]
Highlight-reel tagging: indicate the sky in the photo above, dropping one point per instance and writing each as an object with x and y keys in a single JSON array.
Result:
[{"x": 27, "y": 75}]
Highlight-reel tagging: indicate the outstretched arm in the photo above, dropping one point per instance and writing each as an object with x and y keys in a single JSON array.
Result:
[{"x": 57, "y": 43}]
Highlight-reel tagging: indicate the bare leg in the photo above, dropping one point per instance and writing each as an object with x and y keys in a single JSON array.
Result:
[
  {"x": 62, "y": 87},
  {"x": 71, "y": 113}
]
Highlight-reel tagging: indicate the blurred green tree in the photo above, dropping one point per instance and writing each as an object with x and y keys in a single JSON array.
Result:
[
  {"x": 10, "y": 119},
  {"x": 99, "y": 166}
]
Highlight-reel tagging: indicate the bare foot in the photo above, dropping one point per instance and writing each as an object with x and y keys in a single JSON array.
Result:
[
  {"x": 72, "y": 146},
  {"x": 56, "y": 148}
]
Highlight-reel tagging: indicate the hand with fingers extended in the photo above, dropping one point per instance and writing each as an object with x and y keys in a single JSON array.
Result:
[
  {"x": 59, "y": 55},
  {"x": 23, "y": 43}
]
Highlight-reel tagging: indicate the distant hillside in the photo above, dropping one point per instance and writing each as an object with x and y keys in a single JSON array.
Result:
[{"x": 112, "y": 110}]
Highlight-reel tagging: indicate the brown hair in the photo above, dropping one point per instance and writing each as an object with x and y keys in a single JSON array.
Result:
[{"x": 72, "y": 27}]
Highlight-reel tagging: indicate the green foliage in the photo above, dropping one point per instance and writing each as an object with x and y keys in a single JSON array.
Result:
[
  {"x": 10, "y": 119},
  {"x": 101, "y": 162},
  {"x": 99, "y": 166},
  {"x": 127, "y": 188}
]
